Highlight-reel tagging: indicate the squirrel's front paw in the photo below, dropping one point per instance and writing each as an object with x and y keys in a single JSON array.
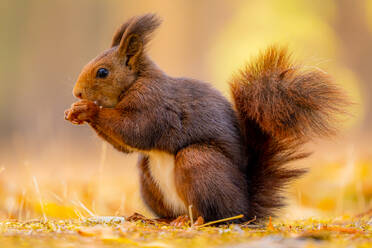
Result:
[{"x": 81, "y": 111}]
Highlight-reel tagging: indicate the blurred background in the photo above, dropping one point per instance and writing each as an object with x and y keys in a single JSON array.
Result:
[{"x": 51, "y": 168}]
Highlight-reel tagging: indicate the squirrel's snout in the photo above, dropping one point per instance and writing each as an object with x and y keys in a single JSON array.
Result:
[{"x": 77, "y": 93}]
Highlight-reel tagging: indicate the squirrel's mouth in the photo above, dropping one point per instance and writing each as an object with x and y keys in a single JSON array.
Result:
[
  {"x": 105, "y": 102},
  {"x": 98, "y": 103}
]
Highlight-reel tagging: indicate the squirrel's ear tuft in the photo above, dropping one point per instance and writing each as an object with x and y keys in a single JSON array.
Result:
[
  {"x": 135, "y": 34},
  {"x": 142, "y": 26}
]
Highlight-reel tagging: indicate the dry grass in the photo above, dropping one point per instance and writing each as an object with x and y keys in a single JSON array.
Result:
[
  {"x": 339, "y": 232},
  {"x": 57, "y": 203}
]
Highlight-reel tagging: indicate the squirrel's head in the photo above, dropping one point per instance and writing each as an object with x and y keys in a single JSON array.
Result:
[{"x": 108, "y": 76}]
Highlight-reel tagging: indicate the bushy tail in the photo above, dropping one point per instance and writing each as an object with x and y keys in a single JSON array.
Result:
[{"x": 281, "y": 106}]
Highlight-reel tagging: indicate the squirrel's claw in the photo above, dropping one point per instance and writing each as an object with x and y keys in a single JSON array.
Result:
[
  {"x": 180, "y": 221},
  {"x": 70, "y": 117},
  {"x": 81, "y": 112},
  {"x": 67, "y": 111}
]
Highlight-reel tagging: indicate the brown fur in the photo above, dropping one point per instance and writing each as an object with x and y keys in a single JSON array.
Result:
[
  {"x": 227, "y": 162},
  {"x": 210, "y": 182},
  {"x": 150, "y": 192},
  {"x": 276, "y": 93},
  {"x": 280, "y": 107}
]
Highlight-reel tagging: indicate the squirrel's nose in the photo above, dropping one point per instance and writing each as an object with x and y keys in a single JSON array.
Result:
[{"x": 77, "y": 93}]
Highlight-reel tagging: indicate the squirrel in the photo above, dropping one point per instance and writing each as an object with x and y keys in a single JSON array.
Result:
[{"x": 196, "y": 147}]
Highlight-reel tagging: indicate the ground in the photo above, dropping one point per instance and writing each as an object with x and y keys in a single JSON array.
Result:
[
  {"x": 344, "y": 231},
  {"x": 58, "y": 203}
]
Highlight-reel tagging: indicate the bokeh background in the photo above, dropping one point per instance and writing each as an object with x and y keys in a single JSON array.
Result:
[{"x": 51, "y": 168}]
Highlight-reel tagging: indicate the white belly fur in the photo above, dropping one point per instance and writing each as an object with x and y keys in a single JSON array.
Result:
[{"x": 162, "y": 167}]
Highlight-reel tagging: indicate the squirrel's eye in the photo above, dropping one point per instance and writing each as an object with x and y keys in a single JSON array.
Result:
[{"x": 102, "y": 73}]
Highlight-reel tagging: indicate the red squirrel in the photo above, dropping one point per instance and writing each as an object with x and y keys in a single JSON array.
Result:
[{"x": 196, "y": 148}]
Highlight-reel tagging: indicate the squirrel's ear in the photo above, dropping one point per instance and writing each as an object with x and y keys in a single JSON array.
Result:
[
  {"x": 118, "y": 35},
  {"x": 133, "y": 35},
  {"x": 130, "y": 48}
]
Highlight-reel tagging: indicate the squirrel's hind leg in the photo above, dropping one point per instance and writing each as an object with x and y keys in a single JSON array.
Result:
[{"x": 211, "y": 183}]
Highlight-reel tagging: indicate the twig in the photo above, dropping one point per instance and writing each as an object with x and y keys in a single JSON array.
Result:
[
  {"x": 100, "y": 176},
  {"x": 86, "y": 209},
  {"x": 80, "y": 204},
  {"x": 40, "y": 198},
  {"x": 190, "y": 215},
  {"x": 249, "y": 221},
  {"x": 222, "y": 220}
]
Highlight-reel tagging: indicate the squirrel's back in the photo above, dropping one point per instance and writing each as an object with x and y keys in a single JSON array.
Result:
[{"x": 195, "y": 113}]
